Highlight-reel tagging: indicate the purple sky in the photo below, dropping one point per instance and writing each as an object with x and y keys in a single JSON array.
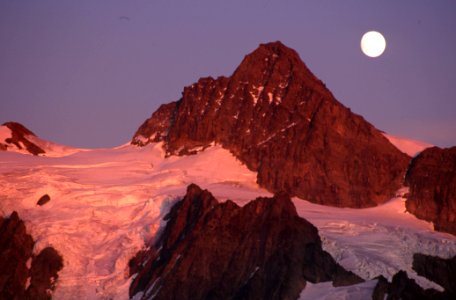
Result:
[{"x": 88, "y": 73}]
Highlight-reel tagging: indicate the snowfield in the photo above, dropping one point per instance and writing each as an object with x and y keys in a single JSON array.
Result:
[{"x": 107, "y": 203}]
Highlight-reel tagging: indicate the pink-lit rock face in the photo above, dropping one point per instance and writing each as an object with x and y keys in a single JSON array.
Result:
[
  {"x": 208, "y": 250},
  {"x": 432, "y": 181},
  {"x": 282, "y": 122}
]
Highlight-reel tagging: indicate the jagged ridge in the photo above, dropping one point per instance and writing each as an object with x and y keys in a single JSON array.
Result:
[{"x": 212, "y": 250}]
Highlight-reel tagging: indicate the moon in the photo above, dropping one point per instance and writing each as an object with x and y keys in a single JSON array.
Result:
[{"x": 373, "y": 44}]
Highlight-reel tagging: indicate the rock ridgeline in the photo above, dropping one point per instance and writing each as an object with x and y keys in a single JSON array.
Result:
[
  {"x": 20, "y": 139},
  {"x": 211, "y": 250},
  {"x": 283, "y": 123},
  {"x": 432, "y": 181},
  {"x": 24, "y": 275},
  {"x": 441, "y": 271},
  {"x": 436, "y": 269}
]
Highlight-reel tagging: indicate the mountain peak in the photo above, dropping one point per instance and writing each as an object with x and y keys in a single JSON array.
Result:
[
  {"x": 276, "y": 48},
  {"x": 282, "y": 122},
  {"x": 277, "y": 66}
]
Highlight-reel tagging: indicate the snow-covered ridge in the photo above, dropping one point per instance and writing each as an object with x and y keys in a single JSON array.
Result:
[
  {"x": 408, "y": 146},
  {"x": 106, "y": 203},
  {"x": 51, "y": 149}
]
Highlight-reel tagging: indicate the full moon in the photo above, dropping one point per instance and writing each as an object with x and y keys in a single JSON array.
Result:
[{"x": 373, "y": 44}]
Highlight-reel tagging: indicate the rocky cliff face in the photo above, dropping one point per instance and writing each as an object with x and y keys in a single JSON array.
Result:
[
  {"x": 23, "y": 275},
  {"x": 18, "y": 138},
  {"x": 432, "y": 181},
  {"x": 282, "y": 122},
  {"x": 212, "y": 250}
]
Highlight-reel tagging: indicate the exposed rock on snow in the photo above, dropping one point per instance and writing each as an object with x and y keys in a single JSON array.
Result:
[
  {"x": 432, "y": 181},
  {"x": 15, "y": 137},
  {"x": 19, "y": 139},
  {"x": 156, "y": 128},
  {"x": 43, "y": 200},
  {"x": 439, "y": 270},
  {"x": 404, "y": 288},
  {"x": 208, "y": 250},
  {"x": 44, "y": 273},
  {"x": 16, "y": 248},
  {"x": 19, "y": 279},
  {"x": 282, "y": 122}
]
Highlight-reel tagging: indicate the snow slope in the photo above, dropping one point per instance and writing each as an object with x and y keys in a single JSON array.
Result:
[
  {"x": 106, "y": 203},
  {"x": 410, "y": 147}
]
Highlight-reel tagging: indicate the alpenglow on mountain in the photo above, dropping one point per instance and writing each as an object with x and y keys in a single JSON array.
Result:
[{"x": 281, "y": 121}]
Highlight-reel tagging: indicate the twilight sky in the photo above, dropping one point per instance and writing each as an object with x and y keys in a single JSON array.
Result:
[{"x": 88, "y": 73}]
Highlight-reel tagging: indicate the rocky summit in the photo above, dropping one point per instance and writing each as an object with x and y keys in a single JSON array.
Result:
[
  {"x": 211, "y": 250},
  {"x": 282, "y": 122},
  {"x": 432, "y": 181}
]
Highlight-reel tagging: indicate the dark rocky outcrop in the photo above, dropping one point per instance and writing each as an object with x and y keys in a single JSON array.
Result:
[
  {"x": 155, "y": 129},
  {"x": 43, "y": 273},
  {"x": 441, "y": 271},
  {"x": 211, "y": 250},
  {"x": 403, "y": 288},
  {"x": 432, "y": 181},
  {"x": 20, "y": 138},
  {"x": 43, "y": 200},
  {"x": 282, "y": 122},
  {"x": 16, "y": 247}
]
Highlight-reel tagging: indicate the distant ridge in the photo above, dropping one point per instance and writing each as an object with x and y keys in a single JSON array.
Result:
[
  {"x": 18, "y": 139},
  {"x": 15, "y": 137}
]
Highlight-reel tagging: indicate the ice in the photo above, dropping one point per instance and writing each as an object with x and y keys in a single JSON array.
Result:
[
  {"x": 106, "y": 204},
  {"x": 377, "y": 241}
]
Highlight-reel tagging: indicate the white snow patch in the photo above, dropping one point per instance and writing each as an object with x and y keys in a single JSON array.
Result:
[
  {"x": 28, "y": 264},
  {"x": 270, "y": 97},
  {"x": 142, "y": 139},
  {"x": 5, "y": 133},
  {"x": 27, "y": 282},
  {"x": 326, "y": 291},
  {"x": 256, "y": 93}
]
